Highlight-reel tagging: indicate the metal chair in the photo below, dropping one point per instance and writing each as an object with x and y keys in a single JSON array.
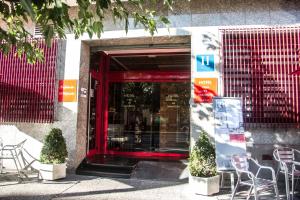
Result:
[
  {"x": 287, "y": 165},
  {"x": 13, "y": 152},
  {"x": 256, "y": 182}
]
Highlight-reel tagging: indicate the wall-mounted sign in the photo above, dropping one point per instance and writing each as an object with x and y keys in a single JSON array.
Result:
[
  {"x": 205, "y": 63},
  {"x": 67, "y": 91},
  {"x": 205, "y": 89},
  {"x": 229, "y": 130}
]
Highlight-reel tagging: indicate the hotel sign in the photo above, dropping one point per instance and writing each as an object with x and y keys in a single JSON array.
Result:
[
  {"x": 205, "y": 89},
  {"x": 205, "y": 63},
  {"x": 67, "y": 91}
]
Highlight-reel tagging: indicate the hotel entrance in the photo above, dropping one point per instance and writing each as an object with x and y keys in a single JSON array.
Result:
[{"x": 139, "y": 104}]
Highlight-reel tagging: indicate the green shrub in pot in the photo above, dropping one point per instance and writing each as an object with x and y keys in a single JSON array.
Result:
[
  {"x": 53, "y": 156},
  {"x": 202, "y": 166},
  {"x": 54, "y": 150}
]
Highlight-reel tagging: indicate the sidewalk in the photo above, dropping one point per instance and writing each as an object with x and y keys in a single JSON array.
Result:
[{"x": 92, "y": 188}]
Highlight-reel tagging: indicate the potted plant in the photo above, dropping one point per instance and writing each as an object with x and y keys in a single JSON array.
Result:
[
  {"x": 53, "y": 156},
  {"x": 202, "y": 166}
]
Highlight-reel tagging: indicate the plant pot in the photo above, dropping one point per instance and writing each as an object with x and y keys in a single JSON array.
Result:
[
  {"x": 204, "y": 186},
  {"x": 52, "y": 171}
]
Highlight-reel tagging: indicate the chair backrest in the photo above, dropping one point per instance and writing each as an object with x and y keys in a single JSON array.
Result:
[
  {"x": 18, "y": 148},
  {"x": 284, "y": 155},
  {"x": 240, "y": 162}
]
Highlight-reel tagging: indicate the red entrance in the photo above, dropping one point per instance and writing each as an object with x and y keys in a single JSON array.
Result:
[{"x": 141, "y": 111}]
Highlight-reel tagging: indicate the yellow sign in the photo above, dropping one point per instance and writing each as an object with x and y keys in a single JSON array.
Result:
[
  {"x": 67, "y": 91},
  {"x": 205, "y": 89}
]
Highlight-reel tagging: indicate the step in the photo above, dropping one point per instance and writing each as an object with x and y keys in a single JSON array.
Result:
[
  {"x": 108, "y": 168},
  {"x": 102, "y": 174},
  {"x": 113, "y": 167}
]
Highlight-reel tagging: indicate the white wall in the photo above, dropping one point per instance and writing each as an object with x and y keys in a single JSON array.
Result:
[{"x": 68, "y": 62}]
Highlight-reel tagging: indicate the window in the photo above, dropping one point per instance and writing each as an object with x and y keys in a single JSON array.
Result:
[
  {"x": 27, "y": 91},
  {"x": 257, "y": 66}
]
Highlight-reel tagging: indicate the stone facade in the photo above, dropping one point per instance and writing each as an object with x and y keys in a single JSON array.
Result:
[{"x": 194, "y": 19}]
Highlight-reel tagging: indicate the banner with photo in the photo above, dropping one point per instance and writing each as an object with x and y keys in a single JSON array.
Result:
[{"x": 229, "y": 130}]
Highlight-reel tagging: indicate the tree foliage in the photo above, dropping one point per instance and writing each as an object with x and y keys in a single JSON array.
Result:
[{"x": 53, "y": 16}]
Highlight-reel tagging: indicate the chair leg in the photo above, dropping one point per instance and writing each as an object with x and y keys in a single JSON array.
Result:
[
  {"x": 276, "y": 191},
  {"x": 293, "y": 181},
  {"x": 17, "y": 158},
  {"x": 277, "y": 173},
  {"x": 287, "y": 186},
  {"x": 17, "y": 168},
  {"x": 250, "y": 191},
  {"x": 235, "y": 189},
  {"x": 222, "y": 179},
  {"x": 255, "y": 193}
]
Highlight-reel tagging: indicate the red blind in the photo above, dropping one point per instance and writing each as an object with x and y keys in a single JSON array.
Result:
[
  {"x": 257, "y": 66},
  {"x": 27, "y": 91}
]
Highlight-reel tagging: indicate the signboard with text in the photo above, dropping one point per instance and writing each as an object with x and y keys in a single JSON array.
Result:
[
  {"x": 67, "y": 91},
  {"x": 229, "y": 130},
  {"x": 205, "y": 89}
]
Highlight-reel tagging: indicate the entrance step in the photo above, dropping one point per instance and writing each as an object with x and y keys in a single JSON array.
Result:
[{"x": 107, "y": 166}]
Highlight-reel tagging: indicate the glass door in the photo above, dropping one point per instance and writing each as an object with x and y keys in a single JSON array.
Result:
[{"x": 148, "y": 117}]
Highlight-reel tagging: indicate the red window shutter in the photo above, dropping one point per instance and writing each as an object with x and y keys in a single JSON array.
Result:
[
  {"x": 27, "y": 91},
  {"x": 257, "y": 66}
]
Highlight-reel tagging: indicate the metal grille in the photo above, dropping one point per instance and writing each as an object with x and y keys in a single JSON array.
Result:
[
  {"x": 257, "y": 66},
  {"x": 27, "y": 91},
  {"x": 38, "y": 31}
]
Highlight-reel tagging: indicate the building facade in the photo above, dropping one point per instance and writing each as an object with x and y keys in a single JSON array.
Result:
[{"x": 136, "y": 95}]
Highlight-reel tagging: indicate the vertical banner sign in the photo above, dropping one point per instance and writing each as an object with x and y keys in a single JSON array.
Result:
[
  {"x": 67, "y": 91},
  {"x": 205, "y": 63},
  {"x": 205, "y": 89},
  {"x": 229, "y": 130}
]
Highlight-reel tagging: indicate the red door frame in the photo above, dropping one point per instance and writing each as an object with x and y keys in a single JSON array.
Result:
[{"x": 105, "y": 77}]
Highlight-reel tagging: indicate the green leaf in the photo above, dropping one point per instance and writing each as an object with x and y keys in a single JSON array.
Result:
[
  {"x": 104, "y": 3},
  {"x": 49, "y": 34},
  {"x": 27, "y": 5},
  {"x": 164, "y": 20},
  {"x": 58, "y": 3}
]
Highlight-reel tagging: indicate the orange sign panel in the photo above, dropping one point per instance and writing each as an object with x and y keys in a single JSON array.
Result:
[
  {"x": 67, "y": 91},
  {"x": 205, "y": 89}
]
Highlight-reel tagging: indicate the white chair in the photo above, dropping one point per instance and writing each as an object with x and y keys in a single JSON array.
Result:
[
  {"x": 287, "y": 165},
  {"x": 14, "y": 153},
  {"x": 23, "y": 164},
  {"x": 255, "y": 181}
]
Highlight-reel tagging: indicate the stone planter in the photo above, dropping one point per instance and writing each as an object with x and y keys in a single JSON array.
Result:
[
  {"x": 52, "y": 171},
  {"x": 204, "y": 186}
]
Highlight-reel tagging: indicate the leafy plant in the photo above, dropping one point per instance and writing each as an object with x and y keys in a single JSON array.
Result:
[
  {"x": 55, "y": 19},
  {"x": 202, "y": 159},
  {"x": 54, "y": 150}
]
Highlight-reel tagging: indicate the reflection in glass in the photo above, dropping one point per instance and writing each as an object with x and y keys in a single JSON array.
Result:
[{"x": 147, "y": 116}]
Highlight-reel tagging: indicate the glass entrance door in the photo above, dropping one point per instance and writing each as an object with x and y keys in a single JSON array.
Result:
[{"x": 148, "y": 117}]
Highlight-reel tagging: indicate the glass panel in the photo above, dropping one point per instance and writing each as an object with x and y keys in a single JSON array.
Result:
[{"x": 149, "y": 117}]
